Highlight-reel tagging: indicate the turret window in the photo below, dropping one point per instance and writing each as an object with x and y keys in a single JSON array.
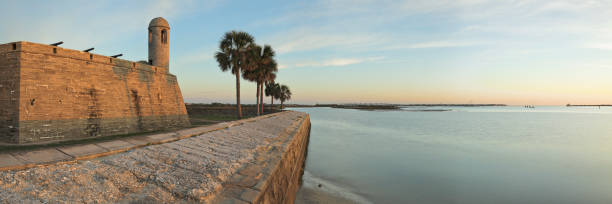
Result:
[
  {"x": 150, "y": 36},
  {"x": 164, "y": 37}
]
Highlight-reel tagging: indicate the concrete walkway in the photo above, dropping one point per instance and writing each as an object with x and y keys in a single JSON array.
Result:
[
  {"x": 182, "y": 166},
  {"x": 72, "y": 153}
]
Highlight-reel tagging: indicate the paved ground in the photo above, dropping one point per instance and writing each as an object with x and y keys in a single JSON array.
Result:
[{"x": 185, "y": 170}]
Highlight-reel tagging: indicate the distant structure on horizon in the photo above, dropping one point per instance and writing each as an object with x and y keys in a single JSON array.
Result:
[{"x": 49, "y": 93}]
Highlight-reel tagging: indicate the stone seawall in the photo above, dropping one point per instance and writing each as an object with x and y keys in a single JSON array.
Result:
[
  {"x": 284, "y": 182},
  {"x": 276, "y": 176},
  {"x": 258, "y": 160}
]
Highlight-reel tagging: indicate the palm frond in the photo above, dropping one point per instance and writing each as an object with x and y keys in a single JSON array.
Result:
[{"x": 223, "y": 60}]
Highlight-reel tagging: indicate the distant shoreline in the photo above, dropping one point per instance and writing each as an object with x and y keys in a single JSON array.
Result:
[
  {"x": 372, "y": 107},
  {"x": 570, "y": 105},
  {"x": 365, "y": 107},
  {"x": 455, "y": 105}
]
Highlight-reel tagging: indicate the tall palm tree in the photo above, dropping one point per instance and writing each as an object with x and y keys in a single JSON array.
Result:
[
  {"x": 252, "y": 65},
  {"x": 268, "y": 77},
  {"x": 232, "y": 56},
  {"x": 270, "y": 69},
  {"x": 261, "y": 68},
  {"x": 285, "y": 94},
  {"x": 272, "y": 90}
]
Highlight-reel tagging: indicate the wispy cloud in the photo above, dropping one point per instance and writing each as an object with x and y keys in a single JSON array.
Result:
[
  {"x": 308, "y": 38},
  {"x": 368, "y": 26},
  {"x": 98, "y": 22},
  {"x": 433, "y": 44},
  {"x": 336, "y": 62}
]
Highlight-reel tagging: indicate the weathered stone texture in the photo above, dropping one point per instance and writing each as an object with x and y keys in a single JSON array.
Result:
[
  {"x": 276, "y": 175},
  {"x": 9, "y": 92},
  {"x": 159, "y": 33},
  {"x": 284, "y": 181},
  {"x": 67, "y": 94},
  {"x": 251, "y": 161}
]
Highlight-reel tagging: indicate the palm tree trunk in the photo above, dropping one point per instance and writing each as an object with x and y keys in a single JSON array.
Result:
[
  {"x": 257, "y": 99},
  {"x": 272, "y": 101},
  {"x": 261, "y": 95},
  {"x": 282, "y": 106},
  {"x": 238, "y": 106}
]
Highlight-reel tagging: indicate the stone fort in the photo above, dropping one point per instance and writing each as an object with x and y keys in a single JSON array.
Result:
[{"x": 49, "y": 93}]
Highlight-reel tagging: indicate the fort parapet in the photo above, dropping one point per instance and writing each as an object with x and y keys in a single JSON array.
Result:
[{"x": 50, "y": 93}]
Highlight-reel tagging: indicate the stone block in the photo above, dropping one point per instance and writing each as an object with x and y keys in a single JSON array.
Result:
[
  {"x": 249, "y": 195},
  {"x": 115, "y": 145},
  {"x": 253, "y": 170},
  {"x": 164, "y": 137},
  {"x": 79, "y": 151},
  {"x": 139, "y": 141},
  {"x": 7, "y": 160},
  {"x": 227, "y": 200},
  {"x": 50, "y": 155}
]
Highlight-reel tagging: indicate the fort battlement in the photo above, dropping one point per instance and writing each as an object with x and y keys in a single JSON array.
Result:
[
  {"x": 50, "y": 93},
  {"x": 70, "y": 54}
]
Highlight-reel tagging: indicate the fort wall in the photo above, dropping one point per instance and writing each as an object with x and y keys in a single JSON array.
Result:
[
  {"x": 9, "y": 91},
  {"x": 68, "y": 94}
]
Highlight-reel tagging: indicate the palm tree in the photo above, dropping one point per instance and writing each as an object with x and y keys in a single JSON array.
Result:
[
  {"x": 261, "y": 68},
  {"x": 232, "y": 56},
  {"x": 253, "y": 71},
  {"x": 272, "y": 90},
  {"x": 285, "y": 94},
  {"x": 268, "y": 74}
]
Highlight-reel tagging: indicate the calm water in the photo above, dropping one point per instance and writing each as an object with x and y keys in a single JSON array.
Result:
[{"x": 467, "y": 155}]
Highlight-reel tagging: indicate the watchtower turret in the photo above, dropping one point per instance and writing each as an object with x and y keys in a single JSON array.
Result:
[{"x": 159, "y": 34}]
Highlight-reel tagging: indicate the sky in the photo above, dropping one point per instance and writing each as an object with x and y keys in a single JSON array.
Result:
[{"x": 517, "y": 52}]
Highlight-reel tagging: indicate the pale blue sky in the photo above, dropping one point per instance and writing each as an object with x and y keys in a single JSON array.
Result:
[{"x": 448, "y": 51}]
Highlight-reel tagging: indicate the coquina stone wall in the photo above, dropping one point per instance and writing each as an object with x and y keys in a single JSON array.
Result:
[
  {"x": 9, "y": 92},
  {"x": 255, "y": 160},
  {"x": 276, "y": 175},
  {"x": 51, "y": 93},
  {"x": 285, "y": 180}
]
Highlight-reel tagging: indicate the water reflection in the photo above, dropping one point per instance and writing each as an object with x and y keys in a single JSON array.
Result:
[{"x": 467, "y": 155}]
